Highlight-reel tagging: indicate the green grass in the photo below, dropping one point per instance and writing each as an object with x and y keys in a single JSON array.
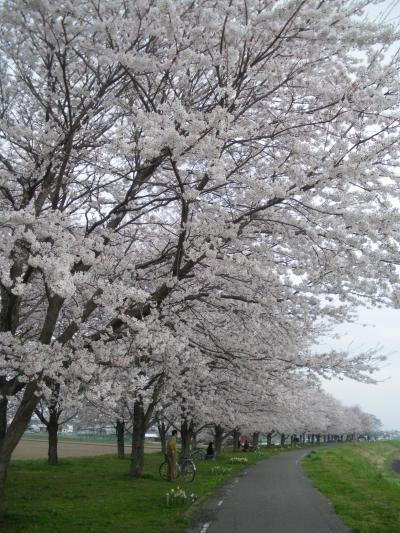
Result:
[
  {"x": 358, "y": 479},
  {"x": 72, "y": 436},
  {"x": 96, "y": 495}
]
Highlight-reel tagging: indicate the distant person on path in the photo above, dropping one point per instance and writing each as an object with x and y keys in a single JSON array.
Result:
[
  {"x": 210, "y": 453},
  {"x": 171, "y": 456}
]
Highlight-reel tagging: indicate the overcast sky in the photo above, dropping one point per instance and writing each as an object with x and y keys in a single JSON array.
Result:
[{"x": 381, "y": 329}]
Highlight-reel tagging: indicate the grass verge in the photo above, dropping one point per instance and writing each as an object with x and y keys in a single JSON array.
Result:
[
  {"x": 359, "y": 480},
  {"x": 95, "y": 494}
]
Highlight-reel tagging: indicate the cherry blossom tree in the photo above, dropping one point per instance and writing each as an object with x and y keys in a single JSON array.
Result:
[
  {"x": 178, "y": 178},
  {"x": 53, "y": 414}
]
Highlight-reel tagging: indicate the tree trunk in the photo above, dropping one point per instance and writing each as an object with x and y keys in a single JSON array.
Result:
[
  {"x": 269, "y": 440},
  {"x": 236, "y": 437},
  {"x": 318, "y": 439},
  {"x": 138, "y": 433},
  {"x": 13, "y": 435},
  {"x": 52, "y": 430},
  {"x": 3, "y": 417},
  {"x": 283, "y": 438},
  {"x": 162, "y": 430},
  {"x": 218, "y": 439},
  {"x": 4, "y": 462},
  {"x": 120, "y": 433},
  {"x": 186, "y": 437},
  {"x": 256, "y": 439}
]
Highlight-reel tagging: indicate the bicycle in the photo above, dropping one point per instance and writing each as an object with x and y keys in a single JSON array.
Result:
[
  {"x": 185, "y": 468},
  {"x": 197, "y": 454}
]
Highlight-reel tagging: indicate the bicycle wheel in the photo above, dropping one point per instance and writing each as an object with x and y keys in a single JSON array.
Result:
[
  {"x": 188, "y": 471},
  {"x": 163, "y": 470},
  {"x": 197, "y": 454}
]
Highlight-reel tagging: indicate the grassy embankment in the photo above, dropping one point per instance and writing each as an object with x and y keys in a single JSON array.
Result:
[
  {"x": 359, "y": 480},
  {"x": 96, "y": 494}
]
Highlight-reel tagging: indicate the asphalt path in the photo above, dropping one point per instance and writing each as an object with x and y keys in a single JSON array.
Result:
[
  {"x": 37, "y": 448},
  {"x": 273, "y": 496}
]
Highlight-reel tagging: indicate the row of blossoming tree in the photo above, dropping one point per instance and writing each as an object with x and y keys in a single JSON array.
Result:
[
  {"x": 301, "y": 412},
  {"x": 191, "y": 193}
]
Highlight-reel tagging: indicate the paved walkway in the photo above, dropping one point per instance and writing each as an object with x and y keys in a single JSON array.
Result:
[{"x": 273, "y": 496}]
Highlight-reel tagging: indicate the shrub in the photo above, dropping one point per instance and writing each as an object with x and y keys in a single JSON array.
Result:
[
  {"x": 238, "y": 460},
  {"x": 179, "y": 496}
]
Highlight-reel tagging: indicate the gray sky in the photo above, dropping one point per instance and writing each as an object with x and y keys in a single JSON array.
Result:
[
  {"x": 378, "y": 328},
  {"x": 381, "y": 327}
]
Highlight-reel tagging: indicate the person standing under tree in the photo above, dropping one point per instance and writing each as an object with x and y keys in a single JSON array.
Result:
[
  {"x": 171, "y": 456},
  {"x": 210, "y": 453}
]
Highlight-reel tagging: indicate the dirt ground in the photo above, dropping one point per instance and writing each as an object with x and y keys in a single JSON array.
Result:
[{"x": 37, "y": 449}]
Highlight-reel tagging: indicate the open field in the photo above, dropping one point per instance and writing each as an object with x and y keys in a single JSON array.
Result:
[
  {"x": 95, "y": 494},
  {"x": 36, "y": 448},
  {"x": 359, "y": 480}
]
